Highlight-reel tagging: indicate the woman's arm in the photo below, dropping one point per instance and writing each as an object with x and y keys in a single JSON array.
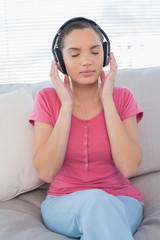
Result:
[
  {"x": 123, "y": 136},
  {"x": 124, "y": 142},
  {"x": 50, "y": 145}
]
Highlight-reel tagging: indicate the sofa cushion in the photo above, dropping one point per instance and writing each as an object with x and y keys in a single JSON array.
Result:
[
  {"x": 17, "y": 174},
  {"x": 20, "y": 219},
  {"x": 145, "y": 84},
  {"x": 149, "y": 187}
]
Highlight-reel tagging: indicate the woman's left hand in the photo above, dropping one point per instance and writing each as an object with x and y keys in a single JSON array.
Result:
[{"x": 107, "y": 82}]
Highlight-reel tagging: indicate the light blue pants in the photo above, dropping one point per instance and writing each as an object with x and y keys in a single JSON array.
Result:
[{"x": 92, "y": 215}]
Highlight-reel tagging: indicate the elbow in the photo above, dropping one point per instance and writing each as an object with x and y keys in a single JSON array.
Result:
[
  {"x": 45, "y": 178},
  {"x": 129, "y": 173},
  {"x": 43, "y": 175},
  {"x": 131, "y": 168}
]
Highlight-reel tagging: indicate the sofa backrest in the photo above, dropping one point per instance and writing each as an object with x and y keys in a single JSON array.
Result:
[{"x": 145, "y": 85}]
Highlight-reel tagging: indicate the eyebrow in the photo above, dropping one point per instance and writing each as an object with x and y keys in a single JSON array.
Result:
[
  {"x": 78, "y": 49},
  {"x": 95, "y": 46}
]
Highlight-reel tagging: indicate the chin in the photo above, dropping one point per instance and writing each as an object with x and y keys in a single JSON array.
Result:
[{"x": 88, "y": 81}]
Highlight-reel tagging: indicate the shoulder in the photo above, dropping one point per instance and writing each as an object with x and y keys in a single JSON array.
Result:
[
  {"x": 120, "y": 92},
  {"x": 47, "y": 106},
  {"x": 126, "y": 104},
  {"x": 48, "y": 95},
  {"x": 121, "y": 95},
  {"x": 48, "y": 100}
]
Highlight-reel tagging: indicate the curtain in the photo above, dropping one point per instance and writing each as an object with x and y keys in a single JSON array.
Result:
[{"x": 27, "y": 29}]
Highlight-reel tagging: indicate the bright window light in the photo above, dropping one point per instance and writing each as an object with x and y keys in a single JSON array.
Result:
[{"x": 27, "y": 28}]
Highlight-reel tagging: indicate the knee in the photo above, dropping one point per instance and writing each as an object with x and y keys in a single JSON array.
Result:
[
  {"x": 95, "y": 197},
  {"x": 101, "y": 200},
  {"x": 96, "y": 193}
]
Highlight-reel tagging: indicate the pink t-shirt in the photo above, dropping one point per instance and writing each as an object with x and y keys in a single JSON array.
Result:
[{"x": 88, "y": 162}]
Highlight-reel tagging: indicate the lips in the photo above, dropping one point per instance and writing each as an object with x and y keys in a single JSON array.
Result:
[{"x": 87, "y": 73}]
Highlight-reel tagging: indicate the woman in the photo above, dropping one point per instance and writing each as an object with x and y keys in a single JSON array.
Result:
[{"x": 86, "y": 142}]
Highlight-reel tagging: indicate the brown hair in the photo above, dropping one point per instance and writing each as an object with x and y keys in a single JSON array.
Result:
[{"x": 76, "y": 25}]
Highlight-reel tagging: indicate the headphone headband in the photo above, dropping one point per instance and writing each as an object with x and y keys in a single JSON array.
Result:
[{"x": 58, "y": 54}]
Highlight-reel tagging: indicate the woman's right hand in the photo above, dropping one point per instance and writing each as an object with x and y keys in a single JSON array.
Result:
[{"x": 63, "y": 90}]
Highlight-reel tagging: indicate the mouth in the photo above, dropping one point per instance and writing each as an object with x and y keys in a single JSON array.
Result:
[{"x": 87, "y": 73}]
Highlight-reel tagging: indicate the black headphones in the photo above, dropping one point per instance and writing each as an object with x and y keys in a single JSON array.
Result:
[{"x": 58, "y": 54}]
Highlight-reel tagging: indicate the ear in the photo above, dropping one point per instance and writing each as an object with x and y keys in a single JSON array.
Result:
[
  {"x": 60, "y": 61},
  {"x": 106, "y": 56}
]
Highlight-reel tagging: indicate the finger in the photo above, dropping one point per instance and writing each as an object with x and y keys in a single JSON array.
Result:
[
  {"x": 55, "y": 72},
  {"x": 113, "y": 63},
  {"x": 113, "y": 67},
  {"x": 67, "y": 82},
  {"x": 52, "y": 74},
  {"x": 51, "y": 71},
  {"x": 56, "y": 77},
  {"x": 102, "y": 76}
]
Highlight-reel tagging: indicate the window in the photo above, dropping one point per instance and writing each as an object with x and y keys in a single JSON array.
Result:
[{"x": 27, "y": 28}]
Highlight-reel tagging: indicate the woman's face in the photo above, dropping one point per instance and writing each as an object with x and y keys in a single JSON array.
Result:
[{"x": 83, "y": 55}]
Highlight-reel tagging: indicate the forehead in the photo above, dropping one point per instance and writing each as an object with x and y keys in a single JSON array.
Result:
[{"x": 78, "y": 37}]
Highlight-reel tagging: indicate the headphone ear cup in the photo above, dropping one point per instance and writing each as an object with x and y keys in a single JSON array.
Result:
[
  {"x": 106, "y": 55},
  {"x": 60, "y": 61}
]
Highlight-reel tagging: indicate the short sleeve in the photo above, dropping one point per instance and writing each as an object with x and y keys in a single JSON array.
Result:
[
  {"x": 41, "y": 111},
  {"x": 126, "y": 104},
  {"x": 129, "y": 106}
]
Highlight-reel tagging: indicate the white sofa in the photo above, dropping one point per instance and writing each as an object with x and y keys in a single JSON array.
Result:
[{"x": 21, "y": 191}]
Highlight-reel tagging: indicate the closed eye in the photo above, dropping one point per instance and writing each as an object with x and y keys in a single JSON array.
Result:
[{"x": 76, "y": 55}]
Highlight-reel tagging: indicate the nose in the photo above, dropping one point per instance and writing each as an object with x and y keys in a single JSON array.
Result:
[{"x": 86, "y": 60}]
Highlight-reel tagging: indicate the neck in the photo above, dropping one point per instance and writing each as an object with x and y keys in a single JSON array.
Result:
[{"x": 85, "y": 95}]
